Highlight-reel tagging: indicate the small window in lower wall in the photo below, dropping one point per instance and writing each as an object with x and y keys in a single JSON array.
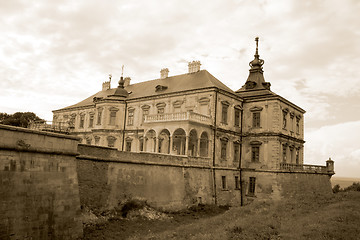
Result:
[
  {"x": 128, "y": 146},
  {"x": 223, "y": 182},
  {"x": 237, "y": 183},
  {"x": 252, "y": 185}
]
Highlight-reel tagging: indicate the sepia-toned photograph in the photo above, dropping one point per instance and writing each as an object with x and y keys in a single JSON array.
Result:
[{"x": 231, "y": 119}]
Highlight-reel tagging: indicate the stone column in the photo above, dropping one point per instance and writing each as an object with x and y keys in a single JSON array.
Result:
[
  {"x": 171, "y": 145},
  {"x": 186, "y": 145},
  {"x": 198, "y": 148}
]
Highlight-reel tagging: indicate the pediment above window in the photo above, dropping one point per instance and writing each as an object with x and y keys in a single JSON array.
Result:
[
  {"x": 225, "y": 103},
  {"x": 238, "y": 107},
  {"x": 204, "y": 100},
  {"x": 113, "y": 109},
  {"x": 145, "y": 107},
  {"x": 178, "y": 103},
  {"x": 255, "y": 143},
  {"x": 161, "y": 105},
  {"x": 256, "y": 109}
]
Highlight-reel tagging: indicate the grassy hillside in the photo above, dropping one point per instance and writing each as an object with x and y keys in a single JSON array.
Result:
[{"x": 313, "y": 217}]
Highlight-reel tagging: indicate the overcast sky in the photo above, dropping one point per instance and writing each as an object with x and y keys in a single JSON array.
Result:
[{"x": 56, "y": 53}]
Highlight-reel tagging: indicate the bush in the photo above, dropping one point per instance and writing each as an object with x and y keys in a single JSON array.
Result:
[
  {"x": 336, "y": 188},
  {"x": 130, "y": 205},
  {"x": 354, "y": 187}
]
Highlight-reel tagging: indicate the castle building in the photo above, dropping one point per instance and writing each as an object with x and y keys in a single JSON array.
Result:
[{"x": 196, "y": 115}]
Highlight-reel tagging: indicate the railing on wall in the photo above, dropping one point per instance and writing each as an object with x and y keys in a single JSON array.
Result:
[
  {"x": 180, "y": 116},
  {"x": 60, "y": 127},
  {"x": 304, "y": 167}
]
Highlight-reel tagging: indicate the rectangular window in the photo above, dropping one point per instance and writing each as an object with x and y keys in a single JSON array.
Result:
[
  {"x": 237, "y": 117},
  {"x": 91, "y": 121},
  {"x": 284, "y": 120},
  {"x": 145, "y": 113},
  {"x": 291, "y": 154},
  {"x": 284, "y": 154},
  {"x": 237, "y": 182},
  {"x": 128, "y": 146},
  {"x": 131, "y": 117},
  {"x": 297, "y": 155},
  {"x": 256, "y": 119},
  {"x": 255, "y": 154},
  {"x": 252, "y": 181},
  {"x": 112, "y": 118},
  {"x": 161, "y": 110},
  {"x": 223, "y": 149},
  {"x": 97, "y": 140},
  {"x": 236, "y": 152},
  {"x": 224, "y": 112},
  {"x": 223, "y": 182},
  {"x": 297, "y": 125},
  {"x": 82, "y": 120},
  {"x": 141, "y": 141},
  {"x": 292, "y": 123},
  {"x": 99, "y": 117}
]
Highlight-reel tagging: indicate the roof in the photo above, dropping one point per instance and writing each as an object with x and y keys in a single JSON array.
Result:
[{"x": 185, "y": 82}]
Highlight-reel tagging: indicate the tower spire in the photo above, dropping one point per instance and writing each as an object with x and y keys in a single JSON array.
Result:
[{"x": 256, "y": 79}]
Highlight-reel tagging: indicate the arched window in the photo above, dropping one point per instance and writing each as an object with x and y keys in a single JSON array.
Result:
[
  {"x": 192, "y": 146},
  {"x": 179, "y": 141},
  {"x": 164, "y": 141}
]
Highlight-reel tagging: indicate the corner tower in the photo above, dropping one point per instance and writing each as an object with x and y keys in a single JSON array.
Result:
[{"x": 272, "y": 133}]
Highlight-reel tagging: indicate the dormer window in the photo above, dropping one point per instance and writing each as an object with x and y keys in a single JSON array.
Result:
[{"x": 160, "y": 88}]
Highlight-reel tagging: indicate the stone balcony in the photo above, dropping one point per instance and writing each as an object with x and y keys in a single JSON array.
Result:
[
  {"x": 48, "y": 126},
  {"x": 181, "y": 116},
  {"x": 307, "y": 168}
]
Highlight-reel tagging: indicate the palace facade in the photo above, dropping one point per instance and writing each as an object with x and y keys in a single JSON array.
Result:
[{"x": 195, "y": 115}]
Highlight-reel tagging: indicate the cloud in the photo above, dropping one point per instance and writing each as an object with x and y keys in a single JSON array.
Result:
[{"x": 340, "y": 142}]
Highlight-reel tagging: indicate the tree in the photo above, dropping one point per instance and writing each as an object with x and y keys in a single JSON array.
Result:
[{"x": 19, "y": 119}]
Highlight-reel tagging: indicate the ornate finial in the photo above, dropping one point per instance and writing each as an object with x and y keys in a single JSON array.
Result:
[
  {"x": 110, "y": 76},
  {"x": 122, "y": 71},
  {"x": 257, "y": 46},
  {"x": 257, "y": 62}
]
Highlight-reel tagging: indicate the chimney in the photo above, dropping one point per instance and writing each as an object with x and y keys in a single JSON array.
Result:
[
  {"x": 164, "y": 73},
  {"x": 106, "y": 85},
  {"x": 127, "y": 81},
  {"x": 194, "y": 66}
]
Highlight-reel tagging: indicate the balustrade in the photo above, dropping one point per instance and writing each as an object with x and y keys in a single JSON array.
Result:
[
  {"x": 181, "y": 116},
  {"x": 303, "y": 167}
]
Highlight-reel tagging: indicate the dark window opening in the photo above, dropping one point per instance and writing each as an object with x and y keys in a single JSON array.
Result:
[
  {"x": 223, "y": 182},
  {"x": 255, "y": 154},
  {"x": 256, "y": 119},
  {"x": 252, "y": 185}
]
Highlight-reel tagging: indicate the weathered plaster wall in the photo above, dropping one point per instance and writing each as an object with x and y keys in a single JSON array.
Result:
[
  {"x": 39, "y": 197},
  {"x": 108, "y": 178}
]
